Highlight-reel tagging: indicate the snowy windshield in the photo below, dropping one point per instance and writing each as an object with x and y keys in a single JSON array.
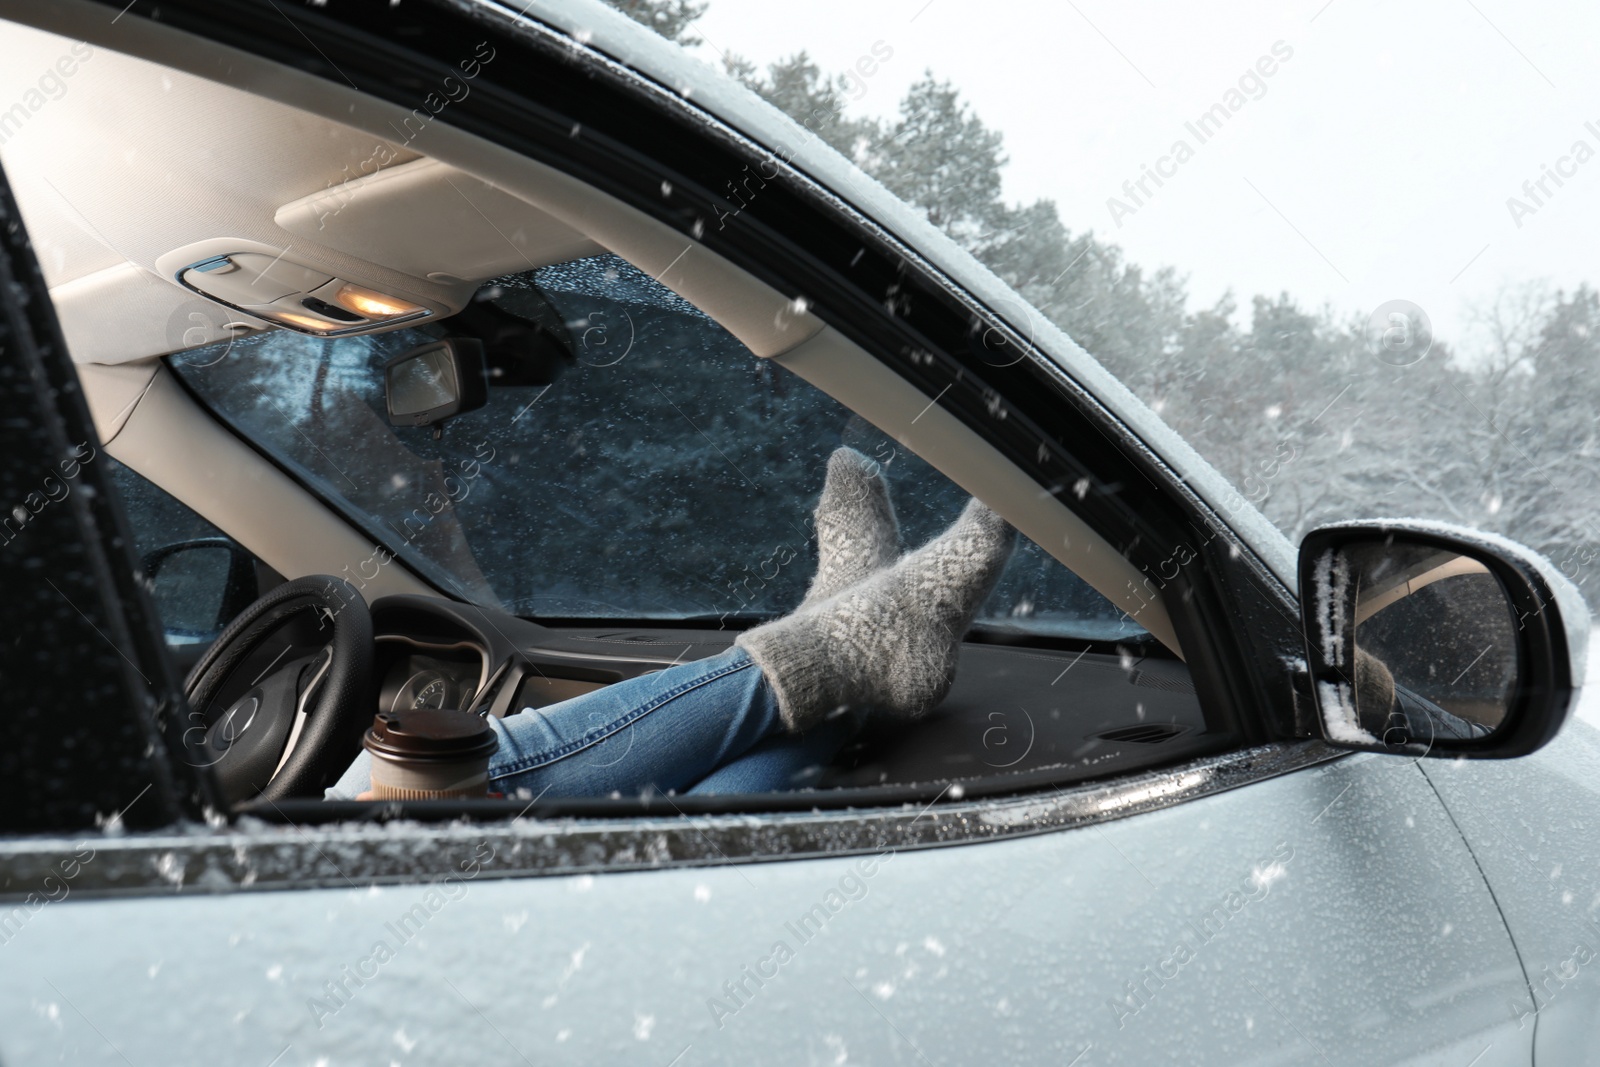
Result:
[
  {"x": 1351, "y": 267},
  {"x": 634, "y": 461}
]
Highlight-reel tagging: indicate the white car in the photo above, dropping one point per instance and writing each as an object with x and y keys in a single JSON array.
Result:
[{"x": 1193, "y": 798}]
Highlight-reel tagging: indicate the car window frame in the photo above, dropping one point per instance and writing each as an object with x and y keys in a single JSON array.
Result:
[
  {"x": 1231, "y": 588},
  {"x": 846, "y": 264}
]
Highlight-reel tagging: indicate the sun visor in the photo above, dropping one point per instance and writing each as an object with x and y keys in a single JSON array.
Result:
[{"x": 429, "y": 220}]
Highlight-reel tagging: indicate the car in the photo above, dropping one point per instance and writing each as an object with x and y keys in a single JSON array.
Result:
[{"x": 368, "y": 358}]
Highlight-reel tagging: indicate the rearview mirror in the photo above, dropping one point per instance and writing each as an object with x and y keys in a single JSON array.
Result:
[
  {"x": 1432, "y": 640},
  {"x": 434, "y": 382}
]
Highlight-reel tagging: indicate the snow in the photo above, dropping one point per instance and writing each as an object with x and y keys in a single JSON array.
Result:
[
  {"x": 1339, "y": 714},
  {"x": 1588, "y": 707},
  {"x": 1332, "y": 578},
  {"x": 1265, "y": 877}
]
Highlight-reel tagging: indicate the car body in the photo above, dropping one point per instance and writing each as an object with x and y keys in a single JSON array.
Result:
[{"x": 1031, "y": 874}]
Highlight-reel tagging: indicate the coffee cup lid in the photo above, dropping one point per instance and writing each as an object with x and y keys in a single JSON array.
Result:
[{"x": 430, "y": 734}]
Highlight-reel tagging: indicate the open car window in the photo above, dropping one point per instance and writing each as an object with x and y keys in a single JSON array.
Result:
[
  {"x": 635, "y": 486},
  {"x": 638, "y": 481},
  {"x": 634, "y": 461}
]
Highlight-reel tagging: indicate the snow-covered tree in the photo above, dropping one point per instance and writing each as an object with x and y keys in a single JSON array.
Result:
[
  {"x": 1500, "y": 431},
  {"x": 670, "y": 18}
]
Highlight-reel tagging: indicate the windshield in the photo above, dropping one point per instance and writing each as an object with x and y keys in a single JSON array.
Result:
[
  {"x": 634, "y": 460},
  {"x": 1346, "y": 256}
]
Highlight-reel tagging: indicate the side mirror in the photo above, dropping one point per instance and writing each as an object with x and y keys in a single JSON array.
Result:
[
  {"x": 200, "y": 585},
  {"x": 434, "y": 382},
  {"x": 1432, "y": 640}
]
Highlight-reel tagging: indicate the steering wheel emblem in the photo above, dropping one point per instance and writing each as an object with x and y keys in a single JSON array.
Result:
[{"x": 234, "y": 722}]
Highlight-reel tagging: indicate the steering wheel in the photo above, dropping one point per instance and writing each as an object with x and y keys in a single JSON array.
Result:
[{"x": 320, "y": 704}]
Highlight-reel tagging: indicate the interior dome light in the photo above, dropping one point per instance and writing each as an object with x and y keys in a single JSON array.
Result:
[
  {"x": 305, "y": 322},
  {"x": 373, "y": 305}
]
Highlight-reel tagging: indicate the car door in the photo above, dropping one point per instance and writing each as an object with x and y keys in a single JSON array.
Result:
[
  {"x": 1268, "y": 903},
  {"x": 1527, "y": 826}
]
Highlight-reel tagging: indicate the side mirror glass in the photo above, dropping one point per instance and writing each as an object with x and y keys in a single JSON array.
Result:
[
  {"x": 1430, "y": 641},
  {"x": 199, "y": 586},
  {"x": 434, "y": 382}
]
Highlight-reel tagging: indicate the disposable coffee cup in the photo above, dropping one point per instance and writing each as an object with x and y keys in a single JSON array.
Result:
[{"x": 430, "y": 753}]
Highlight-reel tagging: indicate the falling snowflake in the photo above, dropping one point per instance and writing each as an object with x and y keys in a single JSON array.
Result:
[{"x": 1264, "y": 877}]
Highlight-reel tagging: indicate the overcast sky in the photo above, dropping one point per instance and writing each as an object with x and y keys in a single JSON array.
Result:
[{"x": 1374, "y": 164}]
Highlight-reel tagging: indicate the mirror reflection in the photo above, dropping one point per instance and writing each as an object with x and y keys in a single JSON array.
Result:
[
  {"x": 422, "y": 383},
  {"x": 1436, "y": 643}
]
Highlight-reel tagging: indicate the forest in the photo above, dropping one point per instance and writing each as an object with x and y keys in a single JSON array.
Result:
[{"x": 1495, "y": 429}]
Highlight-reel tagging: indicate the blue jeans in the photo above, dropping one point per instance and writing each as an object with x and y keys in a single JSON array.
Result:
[{"x": 711, "y": 726}]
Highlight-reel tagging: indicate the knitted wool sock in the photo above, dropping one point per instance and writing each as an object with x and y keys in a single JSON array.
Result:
[
  {"x": 1374, "y": 689},
  {"x": 891, "y": 641},
  {"x": 856, "y": 529}
]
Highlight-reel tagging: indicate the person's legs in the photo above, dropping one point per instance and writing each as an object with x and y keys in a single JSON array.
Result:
[
  {"x": 782, "y": 762},
  {"x": 670, "y": 729},
  {"x": 870, "y": 635},
  {"x": 888, "y": 642},
  {"x": 891, "y": 641},
  {"x": 673, "y": 728},
  {"x": 663, "y": 731}
]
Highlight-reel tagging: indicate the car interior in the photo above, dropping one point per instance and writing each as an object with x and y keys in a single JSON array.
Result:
[{"x": 243, "y": 257}]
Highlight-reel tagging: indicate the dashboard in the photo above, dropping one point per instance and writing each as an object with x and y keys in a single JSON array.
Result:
[
  {"x": 436, "y": 653},
  {"x": 1115, "y": 715}
]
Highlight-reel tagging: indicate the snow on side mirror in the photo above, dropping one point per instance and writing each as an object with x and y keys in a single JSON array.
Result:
[{"x": 1433, "y": 640}]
